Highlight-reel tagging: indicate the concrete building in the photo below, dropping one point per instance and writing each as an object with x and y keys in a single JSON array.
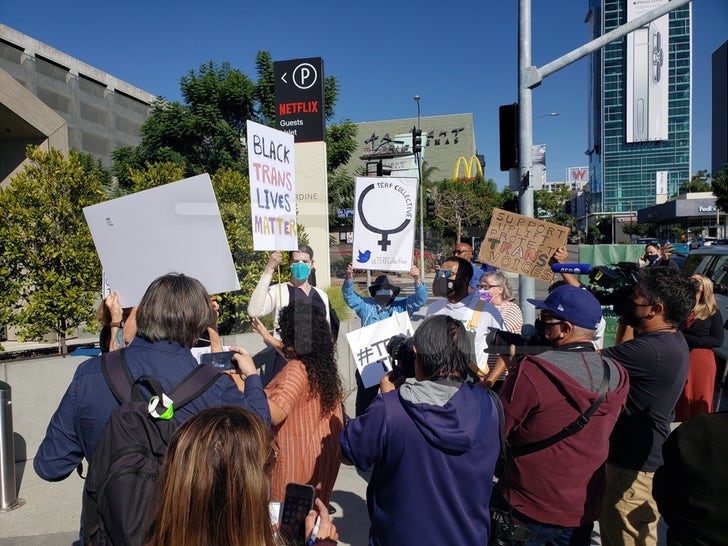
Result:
[
  {"x": 696, "y": 214},
  {"x": 51, "y": 99},
  {"x": 445, "y": 139},
  {"x": 719, "y": 141},
  {"x": 639, "y": 107}
]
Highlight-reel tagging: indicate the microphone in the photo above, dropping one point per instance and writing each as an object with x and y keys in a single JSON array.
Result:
[{"x": 574, "y": 269}]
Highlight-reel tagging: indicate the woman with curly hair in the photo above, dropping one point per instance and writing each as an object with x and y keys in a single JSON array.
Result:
[{"x": 305, "y": 403}]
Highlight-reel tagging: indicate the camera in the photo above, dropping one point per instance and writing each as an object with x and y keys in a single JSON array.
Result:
[
  {"x": 612, "y": 284},
  {"x": 500, "y": 341},
  {"x": 399, "y": 348}
]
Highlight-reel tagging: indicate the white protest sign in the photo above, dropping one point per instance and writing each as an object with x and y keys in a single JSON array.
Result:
[
  {"x": 171, "y": 228},
  {"x": 369, "y": 346},
  {"x": 271, "y": 166},
  {"x": 384, "y": 223}
]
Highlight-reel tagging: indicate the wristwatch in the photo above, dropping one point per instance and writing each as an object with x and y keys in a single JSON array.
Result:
[{"x": 119, "y": 324}]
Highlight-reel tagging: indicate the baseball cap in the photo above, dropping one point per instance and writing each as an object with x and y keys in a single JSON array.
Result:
[
  {"x": 575, "y": 305},
  {"x": 382, "y": 287}
]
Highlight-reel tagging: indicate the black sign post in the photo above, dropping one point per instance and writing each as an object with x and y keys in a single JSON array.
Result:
[{"x": 299, "y": 91}]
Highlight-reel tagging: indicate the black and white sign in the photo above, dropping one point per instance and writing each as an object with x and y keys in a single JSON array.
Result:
[{"x": 299, "y": 92}]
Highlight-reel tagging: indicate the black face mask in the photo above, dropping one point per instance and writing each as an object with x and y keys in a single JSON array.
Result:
[
  {"x": 443, "y": 286},
  {"x": 383, "y": 301}
]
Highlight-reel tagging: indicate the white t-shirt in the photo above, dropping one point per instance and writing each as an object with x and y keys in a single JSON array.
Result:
[{"x": 463, "y": 311}]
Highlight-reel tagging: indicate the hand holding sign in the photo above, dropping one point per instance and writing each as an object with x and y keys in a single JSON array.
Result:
[{"x": 521, "y": 244}]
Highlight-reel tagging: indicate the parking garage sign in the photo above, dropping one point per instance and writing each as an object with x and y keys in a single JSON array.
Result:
[{"x": 299, "y": 92}]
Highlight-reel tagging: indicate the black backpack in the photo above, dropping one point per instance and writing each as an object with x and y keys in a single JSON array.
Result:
[{"x": 130, "y": 451}]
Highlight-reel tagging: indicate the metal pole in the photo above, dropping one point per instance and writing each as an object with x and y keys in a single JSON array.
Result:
[
  {"x": 422, "y": 203},
  {"x": 526, "y": 285},
  {"x": 8, "y": 494}
]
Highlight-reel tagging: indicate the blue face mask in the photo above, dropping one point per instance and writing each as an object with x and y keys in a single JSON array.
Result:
[
  {"x": 652, "y": 258},
  {"x": 300, "y": 271}
]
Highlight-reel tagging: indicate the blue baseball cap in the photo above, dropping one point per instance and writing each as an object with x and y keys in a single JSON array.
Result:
[{"x": 575, "y": 305}]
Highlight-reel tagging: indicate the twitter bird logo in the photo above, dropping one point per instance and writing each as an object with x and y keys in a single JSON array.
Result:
[{"x": 364, "y": 256}]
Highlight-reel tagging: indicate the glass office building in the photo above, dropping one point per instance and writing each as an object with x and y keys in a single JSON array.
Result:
[{"x": 639, "y": 107}]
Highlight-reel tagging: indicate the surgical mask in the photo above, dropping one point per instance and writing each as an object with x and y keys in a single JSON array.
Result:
[
  {"x": 300, "y": 271},
  {"x": 652, "y": 258},
  {"x": 485, "y": 295}
]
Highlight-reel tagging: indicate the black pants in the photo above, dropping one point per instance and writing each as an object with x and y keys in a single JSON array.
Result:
[{"x": 364, "y": 395}]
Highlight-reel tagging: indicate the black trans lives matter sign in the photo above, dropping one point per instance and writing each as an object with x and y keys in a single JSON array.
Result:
[{"x": 299, "y": 91}]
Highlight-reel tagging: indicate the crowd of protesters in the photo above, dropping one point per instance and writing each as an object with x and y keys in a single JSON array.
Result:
[{"x": 557, "y": 439}]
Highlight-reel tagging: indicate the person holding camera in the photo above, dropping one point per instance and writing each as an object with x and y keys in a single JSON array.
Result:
[
  {"x": 383, "y": 304},
  {"x": 433, "y": 444},
  {"x": 657, "y": 362},
  {"x": 554, "y": 482}
]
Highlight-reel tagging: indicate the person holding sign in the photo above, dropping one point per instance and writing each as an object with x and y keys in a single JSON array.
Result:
[
  {"x": 453, "y": 284},
  {"x": 267, "y": 299},
  {"x": 383, "y": 304}
]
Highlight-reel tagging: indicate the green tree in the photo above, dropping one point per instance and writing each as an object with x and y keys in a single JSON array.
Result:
[
  {"x": 637, "y": 230},
  {"x": 699, "y": 182},
  {"x": 551, "y": 203},
  {"x": 49, "y": 261},
  {"x": 461, "y": 204},
  {"x": 720, "y": 188}
]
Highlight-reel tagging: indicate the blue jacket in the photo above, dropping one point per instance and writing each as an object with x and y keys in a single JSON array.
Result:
[
  {"x": 433, "y": 446},
  {"x": 369, "y": 311},
  {"x": 76, "y": 425}
]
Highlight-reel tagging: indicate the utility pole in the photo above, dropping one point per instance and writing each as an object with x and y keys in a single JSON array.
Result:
[
  {"x": 530, "y": 77},
  {"x": 422, "y": 199}
]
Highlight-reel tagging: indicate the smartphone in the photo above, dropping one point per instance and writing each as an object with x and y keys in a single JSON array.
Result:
[
  {"x": 296, "y": 506},
  {"x": 222, "y": 360}
]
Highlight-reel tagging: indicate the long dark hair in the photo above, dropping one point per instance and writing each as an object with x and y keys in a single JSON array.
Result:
[
  {"x": 442, "y": 347},
  {"x": 306, "y": 334}
]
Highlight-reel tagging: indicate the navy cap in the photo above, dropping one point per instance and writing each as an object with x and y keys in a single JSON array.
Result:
[{"x": 575, "y": 305}]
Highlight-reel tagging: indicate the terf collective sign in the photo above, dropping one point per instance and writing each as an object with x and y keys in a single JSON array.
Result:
[{"x": 299, "y": 91}]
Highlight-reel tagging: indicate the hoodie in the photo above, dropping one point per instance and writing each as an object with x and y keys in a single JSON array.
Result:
[
  {"x": 562, "y": 484},
  {"x": 432, "y": 447}
]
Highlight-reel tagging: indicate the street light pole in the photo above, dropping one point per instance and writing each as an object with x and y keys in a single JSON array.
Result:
[
  {"x": 422, "y": 205},
  {"x": 526, "y": 284}
]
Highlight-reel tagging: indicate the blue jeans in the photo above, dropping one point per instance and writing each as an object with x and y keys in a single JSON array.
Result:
[{"x": 553, "y": 535}]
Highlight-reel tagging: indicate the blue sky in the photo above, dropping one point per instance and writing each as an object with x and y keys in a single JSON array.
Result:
[{"x": 458, "y": 56}]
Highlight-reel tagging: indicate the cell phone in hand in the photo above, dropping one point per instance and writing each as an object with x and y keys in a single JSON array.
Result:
[
  {"x": 296, "y": 506},
  {"x": 222, "y": 360}
]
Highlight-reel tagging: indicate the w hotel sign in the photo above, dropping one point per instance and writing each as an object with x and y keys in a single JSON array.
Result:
[
  {"x": 299, "y": 92},
  {"x": 577, "y": 176}
]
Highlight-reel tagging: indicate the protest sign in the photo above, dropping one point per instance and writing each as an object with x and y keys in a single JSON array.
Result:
[
  {"x": 171, "y": 228},
  {"x": 384, "y": 223},
  {"x": 521, "y": 244},
  {"x": 369, "y": 346},
  {"x": 272, "y": 188}
]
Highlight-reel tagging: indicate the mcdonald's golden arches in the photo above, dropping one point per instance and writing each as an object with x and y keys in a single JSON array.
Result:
[{"x": 468, "y": 165}]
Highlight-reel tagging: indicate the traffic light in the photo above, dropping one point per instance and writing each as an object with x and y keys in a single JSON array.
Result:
[
  {"x": 383, "y": 170},
  {"x": 508, "y": 132},
  {"x": 430, "y": 208},
  {"x": 416, "y": 140}
]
